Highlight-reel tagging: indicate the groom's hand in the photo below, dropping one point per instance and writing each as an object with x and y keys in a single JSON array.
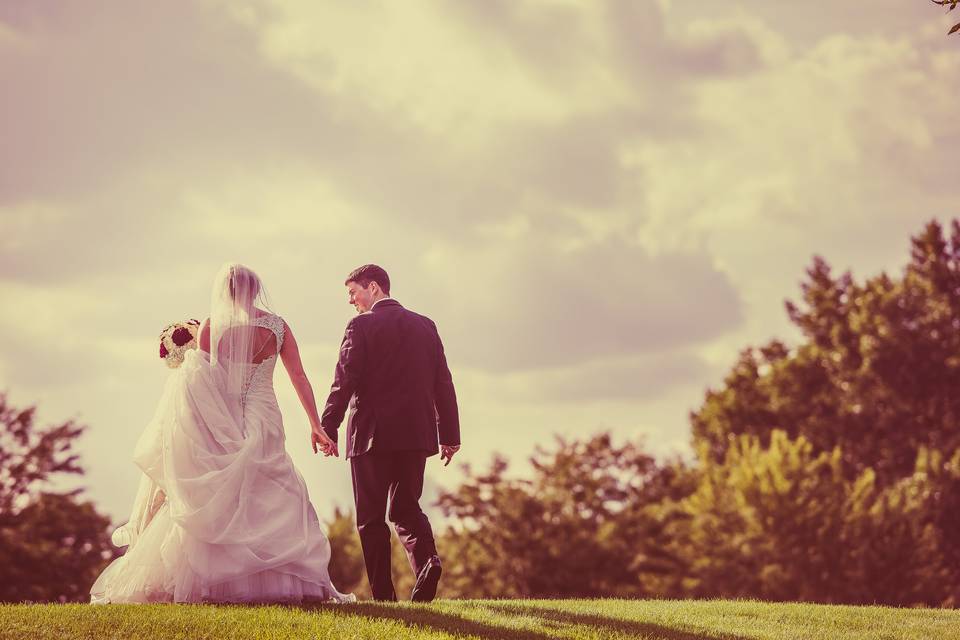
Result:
[
  {"x": 446, "y": 452},
  {"x": 320, "y": 441}
]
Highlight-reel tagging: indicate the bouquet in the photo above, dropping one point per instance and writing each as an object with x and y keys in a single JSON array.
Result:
[{"x": 176, "y": 339}]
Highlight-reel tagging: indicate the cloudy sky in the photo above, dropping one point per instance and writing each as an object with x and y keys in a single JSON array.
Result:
[{"x": 599, "y": 202}]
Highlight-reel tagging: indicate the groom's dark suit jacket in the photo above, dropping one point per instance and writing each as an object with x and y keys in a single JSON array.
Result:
[{"x": 393, "y": 373}]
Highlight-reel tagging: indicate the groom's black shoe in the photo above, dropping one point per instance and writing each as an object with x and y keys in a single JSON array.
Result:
[{"x": 426, "y": 588}]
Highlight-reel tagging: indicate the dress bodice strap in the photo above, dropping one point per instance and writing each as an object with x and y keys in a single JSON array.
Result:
[{"x": 274, "y": 323}]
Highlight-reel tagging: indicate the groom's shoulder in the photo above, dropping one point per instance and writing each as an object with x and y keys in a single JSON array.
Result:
[
  {"x": 426, "y": 319},
  {"x": 360, "y": 320},
  {"x": 422, "y": 318}
]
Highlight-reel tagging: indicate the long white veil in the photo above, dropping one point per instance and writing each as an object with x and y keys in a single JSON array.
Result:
[{"x": 236, "y": 290}]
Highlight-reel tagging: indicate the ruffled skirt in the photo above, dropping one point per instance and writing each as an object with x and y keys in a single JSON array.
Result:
[{"x": 222, "y": 514}]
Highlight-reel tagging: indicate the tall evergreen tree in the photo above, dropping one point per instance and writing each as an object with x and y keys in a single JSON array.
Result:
[{"x": 876, "y": 375}]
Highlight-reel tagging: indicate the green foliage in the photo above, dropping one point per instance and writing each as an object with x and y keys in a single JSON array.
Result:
[
  {"x": 828, "y": 472},
  {"x": 784, "y": 522},
  {"x": 825, "y": 472},
  {"x": 53, "y": 550},
  {"x": 581, "y": 526},
  {"x": 951, "y": 5},
  {"x": 52, "y": 546},
  {"x": 29, "y": 456},
  {"x": 876, "y": 376},
  {"x": 934, "y": 487}
]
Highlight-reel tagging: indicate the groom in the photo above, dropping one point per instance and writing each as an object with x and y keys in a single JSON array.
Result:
[{"x": 394, "y": 375}]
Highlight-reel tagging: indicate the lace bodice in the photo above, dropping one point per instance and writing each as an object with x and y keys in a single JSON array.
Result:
[{"x": 261, "y": 374}]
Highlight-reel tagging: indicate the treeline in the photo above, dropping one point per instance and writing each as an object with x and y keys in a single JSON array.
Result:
[
  {"x": 824, "y": 472},
  {"x": 776, "y": 521},
  {"x": 827, "y": 472}
]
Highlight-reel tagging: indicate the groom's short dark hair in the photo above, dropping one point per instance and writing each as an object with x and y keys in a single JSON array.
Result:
[{"x": 368, "y": 273}]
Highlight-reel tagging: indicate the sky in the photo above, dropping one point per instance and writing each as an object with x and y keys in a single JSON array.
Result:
[{"x": 600, "y": 202}]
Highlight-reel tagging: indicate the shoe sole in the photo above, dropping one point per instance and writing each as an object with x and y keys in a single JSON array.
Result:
[{"x": 426, "y": 588}]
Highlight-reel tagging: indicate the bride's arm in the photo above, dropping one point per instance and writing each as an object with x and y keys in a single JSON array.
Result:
[{"x": 290, "y": 355}]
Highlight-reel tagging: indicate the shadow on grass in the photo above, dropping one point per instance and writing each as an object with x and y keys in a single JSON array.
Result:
[
  {"x": 607, "y": 624},
  {"x": 552, "y": 622},
  {"x": 430, "y": 619}
]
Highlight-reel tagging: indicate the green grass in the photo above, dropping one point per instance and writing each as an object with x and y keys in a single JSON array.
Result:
[{"x": 497, "y": 619}]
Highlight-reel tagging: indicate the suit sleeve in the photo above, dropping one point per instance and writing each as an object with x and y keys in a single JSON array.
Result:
[
  {"x": 448, "y": 416},
  {"x": 346, "y": 377}
]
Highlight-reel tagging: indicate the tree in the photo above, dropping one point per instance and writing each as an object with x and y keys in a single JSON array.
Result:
[
  {"x": 826, "y": 472},
  {"x": 580, "y": 527},
  {"x": 52, "y": 545},
  {"x": 876, "y": 374},
  {"x": 951, "y": 5},
  {"x": 935, "y": 484},
  {"x": 783, "y": 522}
]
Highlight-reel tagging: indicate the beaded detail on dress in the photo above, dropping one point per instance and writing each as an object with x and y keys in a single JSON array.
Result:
[{"x": 261, "y": 374}]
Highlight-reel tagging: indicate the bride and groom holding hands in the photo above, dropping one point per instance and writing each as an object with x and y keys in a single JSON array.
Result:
[{"x": 223, "y": 515}]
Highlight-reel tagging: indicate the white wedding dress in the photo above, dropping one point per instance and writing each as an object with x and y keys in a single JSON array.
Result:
[{"x": 222, "y": 514}]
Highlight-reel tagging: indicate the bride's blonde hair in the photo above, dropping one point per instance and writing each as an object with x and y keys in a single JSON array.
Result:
[
  {"x": 236, "y": 291},
  {"x": 244, "y": 279}
]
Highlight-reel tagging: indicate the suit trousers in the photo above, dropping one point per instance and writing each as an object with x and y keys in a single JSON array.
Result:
[{"x": 389, "y": 484}]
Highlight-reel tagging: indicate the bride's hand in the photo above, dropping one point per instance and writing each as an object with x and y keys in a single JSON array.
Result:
[{"x": 320, "y": 440}]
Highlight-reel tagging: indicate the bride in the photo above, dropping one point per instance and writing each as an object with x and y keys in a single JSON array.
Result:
[{"x": 222, "y": 515}]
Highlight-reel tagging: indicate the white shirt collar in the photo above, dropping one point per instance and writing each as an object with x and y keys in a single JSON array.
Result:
[{"x": 380, "y": 300}]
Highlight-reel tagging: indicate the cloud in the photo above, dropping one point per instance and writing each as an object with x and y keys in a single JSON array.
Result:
[
  {"x": 524, "y": 305},
  {"x": 842, "y": 150},
  {"x": 632, "y": 378},
  {"x": 557, "y": 40},
  {"x": 421, "y": 69},
  {"x": 805, "y": 24},
  {"x": 730, "y": 47},
  {"x": 86, "y": 124},
  {"x": 41, "y": 350},
  {"x": 83, "y": 118},
  {"x": 599, "y": 202},
  {"x": 651, "y": 51}
]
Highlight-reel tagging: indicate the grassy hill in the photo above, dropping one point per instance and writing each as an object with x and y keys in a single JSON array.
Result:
[{"x": 498, "y": 619}]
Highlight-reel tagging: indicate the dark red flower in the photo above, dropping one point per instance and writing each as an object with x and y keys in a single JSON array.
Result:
[
  {"x": 163, "y": 351},
  {"x": 181, "y": 336}
]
